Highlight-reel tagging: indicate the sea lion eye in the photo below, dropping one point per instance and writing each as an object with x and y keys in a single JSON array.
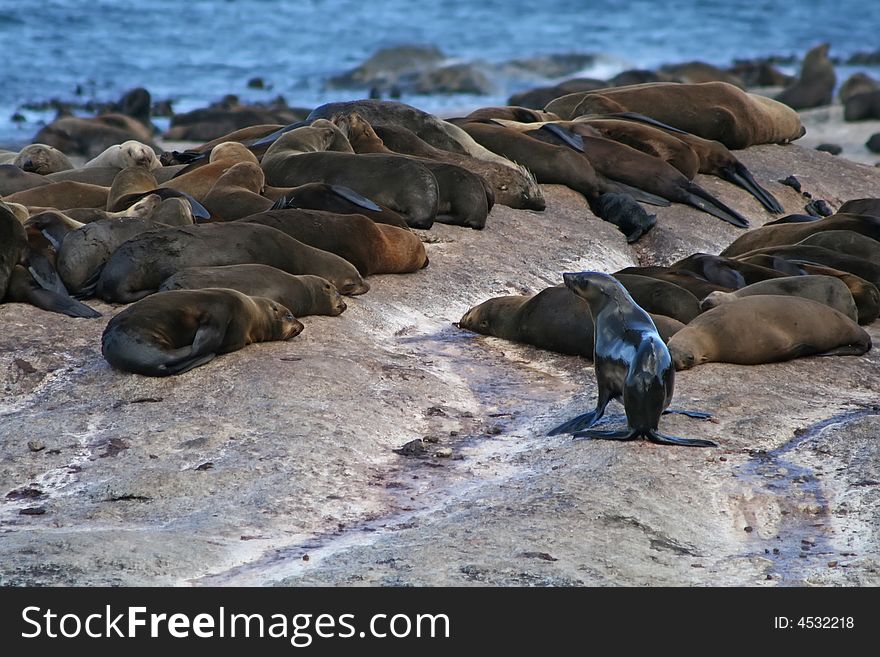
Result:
[
  {"x": 484, "y": 323},
  {"x": 289, "y": 317}
]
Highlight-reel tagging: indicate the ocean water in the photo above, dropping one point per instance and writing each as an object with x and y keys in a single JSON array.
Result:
[{"x": 196, "y": 51}]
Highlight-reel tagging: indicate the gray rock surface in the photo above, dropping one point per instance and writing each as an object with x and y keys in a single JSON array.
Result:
[{"x": 232, "y": 473}]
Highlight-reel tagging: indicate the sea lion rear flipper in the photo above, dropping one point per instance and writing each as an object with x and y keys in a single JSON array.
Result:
[
  {"x": 199, "y": 211},
  {"x": 663, "y": 439},
  {"x": 842, "y": 350},
  {"x": 572, "y": 140},
  {"x": 44, "y": 273},
  {"x": 23, "y": 288},
  {"x": 641, "y": 118},
  {"x": 185, "y": 365},
  {"x": 699, "y": 198},
  {"x": 739, "y": 175},
  {"x": 698, "y": 415},
  {"x": 637, "y": 194},
  {"x": 280, "y": 203},
  {"x": 614, "y": 434},
  {"x": 353, "y": 197},
  {"x": 582, "y": 421}
]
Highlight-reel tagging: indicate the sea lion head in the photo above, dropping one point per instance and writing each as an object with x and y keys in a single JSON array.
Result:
[
  {"x": 326, "y": 297},
  {"x": 715, "y": 299},
  {"x": 280, "y": 323},
  {"x": 597, "y": 288},
  {"x": 496, "y": 316},
  {"x": 133, "y": 153},
  {"x": 232, "y": 151},
  {"x": 42, "y": 159}
]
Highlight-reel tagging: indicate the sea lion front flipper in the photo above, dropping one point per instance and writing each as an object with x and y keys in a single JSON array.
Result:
[
  {"x": 24, "y": 289},
  {"x": 615, "y": 434},
  {"x": 697, "y": 415},
  {"x": 703, "y": 200},
  {"x": 584, "y": 421},
  {"x": 740, "y": 176},
  {"x": 280, "y": 203},
  {"x": 208, "y": 338},
  {"x": 185, "y": 365},
  {"x": 571, "y": 139},
  {"x": 638, "y": 194},
  {"x": 641, "y": 118},
  {"x": 353, "y": 197},
  {"x": 44, "y": 273},
  {"x": 663, "y": 439}
]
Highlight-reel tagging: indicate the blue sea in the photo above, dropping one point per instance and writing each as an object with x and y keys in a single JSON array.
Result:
[{"x": 194, "y": 52}]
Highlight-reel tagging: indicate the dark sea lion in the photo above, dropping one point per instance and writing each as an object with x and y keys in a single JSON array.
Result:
[
  {"x": 208, "y": 123},
  {"x": 661, "y": 297},
  {"x": 399, "y": 183},
  {"x": 861, "y": 206},
  {"x": 825, "y": 289},
  {"x": 41, "y": 159},
  {"x": 855, "y": 84},
  {"x": 133, "y": 184},
  {"x": 53, "y": 225},
  {"x": 372, "y": 248},
  {"x": 553, "y": 319},
  {"x": 725, "y": 272},
  {"x": 236, "y": 193},
  {"x": 696, "y": 72},
  {"x": 538, "y": 97},
  {"x": 173, "y": 332},
  {"x": 84, "y": 252},
  {"x": 622, "y": 210},
  {"x": 698, "y": 286},
  {"x": 13, "y": 179},
  {"x": 302, "y": 295},
  {"x": 792, "y": 233},
  {"x": 13, "y": 242},
  {"x": 514, "y": 187},
  {"x": 334, "y": 198},
  {"x": 140, "y": 265},
  {"x": 91, "y": 136},
  {"x": 815, "y": 86},
  {"x": 632, "y": 363},
  {"x": 766, "y": 329},
  {"x": 23, "y": 288},
  {"x": 512, "y": 113},
  {"x": 712, "y": 110},
  {"x": 62, "y": 196},
  {"x": 817, "y": 255},
  {"x": 242, "y": 135},
  {"x": 173, "y": 211},
  {"x": 862, "y": 106},
  {"x": 846, "y": 242}
]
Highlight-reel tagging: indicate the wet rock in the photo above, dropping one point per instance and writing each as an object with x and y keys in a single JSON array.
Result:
[
  {"x": 415, "y": 447},
  {"x": 863, "y": 58},
  {"x": 873, "y": 143},
  {"x": 792, "y": 182},
  {"x": 834, "y": 149},
  {"x": 465, "y": 78},
  {"x": 33, "y": 511},
  {"x": 256, "y": 83},
  {"x": 818, "y": 208},
  {"x": 386, "y": 65}
]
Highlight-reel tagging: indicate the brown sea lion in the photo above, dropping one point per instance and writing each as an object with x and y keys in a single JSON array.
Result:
[
  {"x": 102, "y": 176},
  {"x": 198, "y": 183},
  {"x": 725, "y": 272},
  {"x": 13, "y": 179},
  {"x": 13, "y": 242},
  {"x": 792, "y": 233},
  {"x": 24, "y": 288},
  {"x": 825, "y": 289},
  {"x": 399, "y": 183},
  {"x": 334, "y": 198},
  {"x": 861, "y": 206},
  {"x": 817, "y": 255},
  {"x": 372, "y": 248},
  {"x": 690, "y": 281},
  {"x": 173, "y": 332},
  {"x": 766, "y": 329},
  {"x": 41, "y": 159},
  {"x": 512, "y": 113},
  {"x": 140, "y": 265},
  {"x": 91, "y": 136},
  {"x": 302, "y": 295},
  {"x": 847, "y": 242},
  {"x": 62, "y": 196},
  {"x": 815, "y": 86},
  {"x": 236, "y": 193},
  {"x": 660, "y": 297},
  {"x": 712, "y": 110},
  {"x": 538, "y": 97},
  {"x": 553, "y": 319}
]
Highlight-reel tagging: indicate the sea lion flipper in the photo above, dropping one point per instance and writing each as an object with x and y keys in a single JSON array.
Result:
[
  {"x": 185, "y": 365},
  {"x": 614, "y": 434},
  {"x": 703, "y": 200},
  {"x": 663, "y": 439},
  {"x": 739, "y": 175},
  {"x": 208, "y": 338},
  {"x": 641, "y": 118},
  {"x": 571, "y": 139},
  {"x": 44, "y": 273},
  {"x": 584, "y": 421},
  {"x": 280, "y": 203},
  {"x": 352, "y": 196},
  {"x": 638, "y": 194},
  {"x": 697, "y": 415}
]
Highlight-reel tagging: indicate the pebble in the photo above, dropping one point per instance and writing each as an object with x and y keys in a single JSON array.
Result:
[
  {"x": 443, "y": 453},
  {"x": 36, "y": 445}
]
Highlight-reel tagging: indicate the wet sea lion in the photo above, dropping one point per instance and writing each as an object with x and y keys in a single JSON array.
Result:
[
  {"x": 712, "y": 110},
  {"x": 303, "y": 295},
  {"x": 41, "y": 159},
  {"x": 139, "y": 266},
  {"x": 767, "y": 329},
  {"x": 815, "y": 85},
  {"x": 397, "y": 182},
  {"x": 861, "y": 206},
  {"x": 825, "y": 289},
  {"x": 661, "y": 297},
  {"x": 725, "y": 272},
  {"x": 62, "y": 196},
  {"x": 127, "y": 154},
  {"x": 792, "y": 233},
  {"x": 553, "y": 319},
  {"x": 622, "y": 210},
  {"x": 632, "y": 363},
  {"x": 173, "y": 332},
  {"x": 372, "y": 248}
]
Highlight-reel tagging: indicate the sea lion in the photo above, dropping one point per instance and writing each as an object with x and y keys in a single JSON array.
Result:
[
  {"x": 133, "y": 184},
  {"x": 13, "y": 179},
  {"x": 321, "y": 135},
  {"x": 102, "y": 176},
  {"x": 690, "y": 281},
  {"x": 127, "y": 154},
  {"x": 334, "y": 198},
  {"x": 766, "y": 329},
  {"x": 696, "y": 71},
  {"x": 538, "y": 97},
  {"x": 465, "y": 198},
  {"x": 632, "y": 363},
  {"x": 236, "y": 193},
  {"x": 399, "y": 183},
  {"x": 862, "y": 106},
  {"x": 173, "y": 332},
  {"x": 792, "y": 233},
  {"x": 817, "y": 255},
  {"x": 815, "y": 86},
  {"x": 825, "y": 289},
  {"x": 512, "y": 113},
  {"x": 661, "y": 297},
  {"x": 91, "y": 136},
  {"x": 622, "y": 210},
  {"x": 372, "y": 248},
  {"x": 62, "y": 196},
  {"x": 302, "y": 295},
  {"x": 514, "y": 187},
  {"x": 712, "y": 110},
  {"x": 861, "y": 206},
  {"x": 41, "y": 159},
  {"x": 23, "y": 288},
  {"x": 13, "y": 242},
  {"x": 846, "y": 242},
  {"x": 855, "y": 84},
  {"x": 553, "y": 319},
  {"x": 198, "y": 182},
  {"x": 140, "y": 265},
  {"x": 725, "y": 272}
]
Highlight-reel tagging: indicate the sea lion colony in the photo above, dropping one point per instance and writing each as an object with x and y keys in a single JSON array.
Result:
[{"x": 268, "y": 209}]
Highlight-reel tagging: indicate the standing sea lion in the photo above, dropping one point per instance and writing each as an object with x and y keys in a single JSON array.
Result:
[
  {"x": 631, "y": 362},
  {"x": 173, "y": 332},
  {"x": 815, "y": 86}
]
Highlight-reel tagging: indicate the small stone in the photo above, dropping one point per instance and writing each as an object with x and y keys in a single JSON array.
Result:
[
  {"x": 775, "y": 550},
  {"x": 834, "y": 149},
  {"x": 431, "y": 439},
  {"x": 873, "y": 143},
  {"x": 808, "y": 541},
  {"x": 832, "y": 564},
  {"x": 256, "y": 83},
  {"x": 36, "y": 445},
  {"x": 207, "y": 465},
  {"x": 18, "y": 117},
  {"x": 748, "y": 529},
  {"x": 412, "y": 448},
  {"x": 722, "y": 458},
  {"x": 792, "y": 182},
  {"x": 443, "y": 453},
  {"x": 305, "y": 557},
  {"x": 494, "y": 430},
  {"x": 818, "y": 208},
  {"x": 33, "y": 511}
]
